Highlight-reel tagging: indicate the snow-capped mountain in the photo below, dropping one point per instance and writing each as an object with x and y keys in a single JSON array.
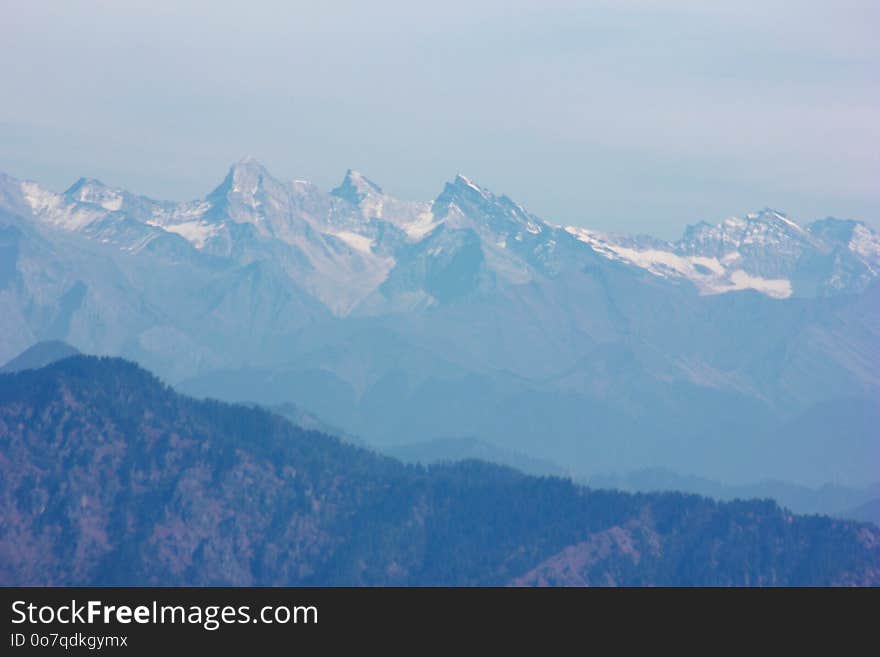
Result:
[
  {"x": 413, "y": 217},
  {"x": 765, "y": 251},
  {"x": 358, "y": 249},
  {"x": 403, "y": 321}
]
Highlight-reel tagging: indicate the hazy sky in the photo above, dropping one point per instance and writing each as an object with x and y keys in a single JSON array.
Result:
[{"x": 620, "y": 115}]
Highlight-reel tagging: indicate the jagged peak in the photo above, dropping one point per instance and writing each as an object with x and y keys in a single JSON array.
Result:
[
  {"x": 479, "y": 203},
  {"x": 764, "y": 216},
  {"x": 355, "y": 187},
  {"x": 842, "y": 231},
  {"x": 360, "y": 180},
  {"x": 464, "y": 185},
  {"x": 248, "y": 165},
  {"x": 463, "y": 181},
  {"x": 95, "y": 192},
  {"x": 464, "y": 188},
  {"x": 245, "y": 176},
  {"x": 772, "y": 215},
  {"x": 84, "y": 183}
]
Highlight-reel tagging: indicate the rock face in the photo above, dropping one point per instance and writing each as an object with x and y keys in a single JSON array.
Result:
[
  {"x": 107, "y": 476},
  {"x": 746, "y": 350}
]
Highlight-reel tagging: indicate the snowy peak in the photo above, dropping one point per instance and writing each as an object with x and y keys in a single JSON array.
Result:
[
  {"x": 249, "y": 185},
  {"x": 766, "y": 251},
  {"x": 341, "y": 245},
  {"x": 356, "y": 187},
  {"x": 250, "y": 195},
  {"x": 465, "y": 195},
  {"x": 464, "y": 203},
  {"x": 372, "y": 205},
  {"x": 64, "y": 212},
  {"x": 766, "y": 227},
  {"x": 851, "y": 236},
  {"x": 709, "y": 274},
  {"x": 769, "y": 215},
  {"x": 460, "y": 189},
  {"x": 866, "y": 243},
  {"x": 90, "y": 190},
  {"x": 245, "y": 178},
  {"x": 82, "y": 184},
  {"x": 466, "y": 185}
]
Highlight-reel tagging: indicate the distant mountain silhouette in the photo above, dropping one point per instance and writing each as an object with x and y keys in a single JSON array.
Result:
[
  {"x": 450, "y": 450},
  {"x": 109, "y": 476},
  {"x": 867, "y": 512},
  {"x": 310, "y": 422},
  {"x": 39, "y": 355},
  {"x": 833, "y": 500}
]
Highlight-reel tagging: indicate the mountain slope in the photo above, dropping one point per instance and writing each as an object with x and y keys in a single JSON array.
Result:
[{"x": 109, "y": 477}]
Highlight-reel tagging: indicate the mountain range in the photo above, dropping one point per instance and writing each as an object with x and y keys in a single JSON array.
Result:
[
  {"x": 110, "y": 477},
  {"x": 748, "y": 349}
]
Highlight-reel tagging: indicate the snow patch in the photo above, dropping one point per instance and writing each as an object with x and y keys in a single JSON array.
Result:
[
  {"x": 113, "y": 204},
  {"x": 39, "y": 199},
  {"x": 196, "y": 233},
  {"x": 865, "y": 242},
  {"x": 467, "y": 181},
  {"x": 96, "y": 194},
  {"x": 355, "y": 241},
  {"x": 778, "y": 288},
  {"x": 710, "y": 275},
  {"x": 50, "y": 207},
  {"x": 787, "y": 221},
  {"x": 423, "y": 225}
]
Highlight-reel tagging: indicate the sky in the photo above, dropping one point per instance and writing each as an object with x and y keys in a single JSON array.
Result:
[{"x": 625, "y": 115}]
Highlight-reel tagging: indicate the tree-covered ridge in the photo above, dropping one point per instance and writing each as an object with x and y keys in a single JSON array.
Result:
[{"x": 107, "y": 476}]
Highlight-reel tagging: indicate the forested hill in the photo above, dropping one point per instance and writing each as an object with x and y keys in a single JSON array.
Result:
[{"x": 107, "y": 476}]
